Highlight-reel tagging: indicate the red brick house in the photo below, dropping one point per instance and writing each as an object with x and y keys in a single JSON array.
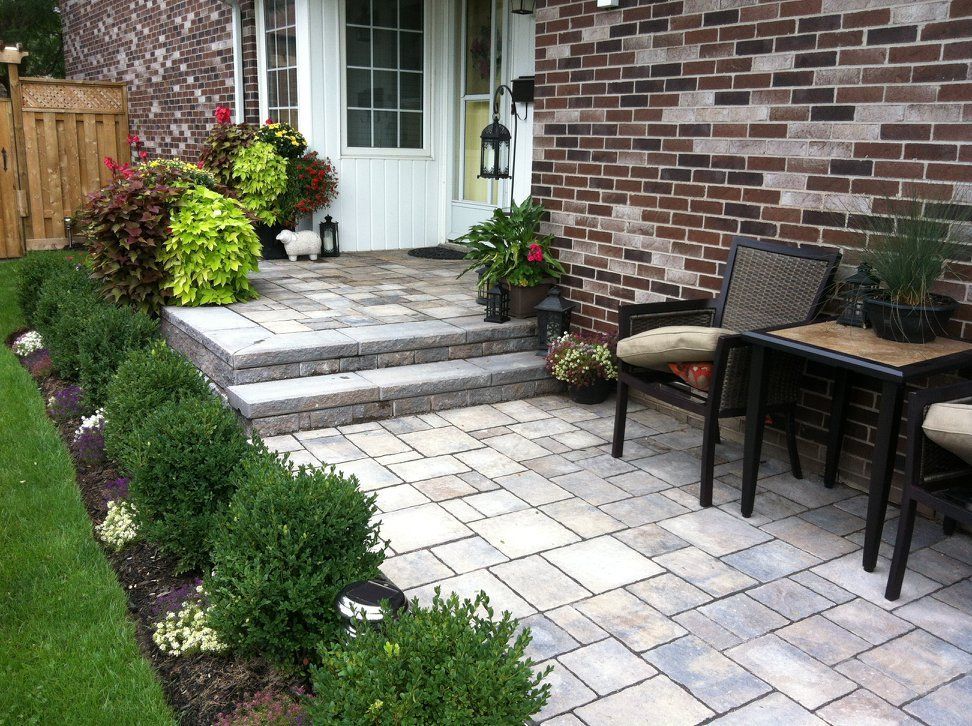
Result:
[{"x": 659, "y": 129}]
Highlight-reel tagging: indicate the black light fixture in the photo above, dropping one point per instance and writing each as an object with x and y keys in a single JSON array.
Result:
[
  {"x": 494, "y": 161},
  {"x": 69, "y": 232},
  {"x": 497, "y": 304},
  {"x": 362, "y": 601},
  {"x": 855, "y": 289},
  {"x": 553, "y": 319},
  {"x": 330, "y": 246},
  {"x": 482, "y": 287},
  {"x": 522, "y": 7}
]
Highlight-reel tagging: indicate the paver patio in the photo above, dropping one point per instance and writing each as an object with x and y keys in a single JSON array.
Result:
[{"x": 650, "y": 609}]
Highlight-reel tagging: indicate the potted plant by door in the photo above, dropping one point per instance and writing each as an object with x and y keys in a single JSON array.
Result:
[
  {"x": 586, "y": 363},
  {"x": 312, "y": 184},
  {"x": 509, "y": 246},
  {"x": 909, "y": 251}
]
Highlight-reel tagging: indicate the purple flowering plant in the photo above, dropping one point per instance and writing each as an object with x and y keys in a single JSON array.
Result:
[
  {"x": 39, "y": 363},
  {"x": 89, "y": 447},
  {"x": 269, "y": 707},
  {"x": 116, "y": 489},
  {"x": 65, "y": 404},
  {"x": 172, "y": 601}
]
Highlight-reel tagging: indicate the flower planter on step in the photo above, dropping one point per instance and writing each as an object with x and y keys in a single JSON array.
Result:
[{"x": 524, "y": 300}]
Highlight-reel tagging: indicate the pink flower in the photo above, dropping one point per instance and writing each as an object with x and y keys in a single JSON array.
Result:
[
  {"x": 535, "y": 254},
  {"x": 143, "y": 155},
  {"x": 222, "y": 114},
  {"x": 268, "y": 121},
  {"x": 133, "y": 139},
  {"x": 110, "y": 163}
]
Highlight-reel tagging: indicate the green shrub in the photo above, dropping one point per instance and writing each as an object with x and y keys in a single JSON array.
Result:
[
  {"x": 289, "y": 543},
  {"x": 184, "y": 473},
  {"x": 221, "y": 147},
  {"x": 210, "y": 251},
  {"x": 35, "y": 269},
  {"x": 145, "y": 380},
  {"x": 108, "y": 335},
  {"x": 446, "y": 664},
  {"x": 66, "y": 300},
  {"x": 260, "y": 175}
]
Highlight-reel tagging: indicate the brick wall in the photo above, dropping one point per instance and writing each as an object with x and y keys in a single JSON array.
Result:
[
  {"x": 176, "y": 57},
  {"x": 665, "y": 128}
]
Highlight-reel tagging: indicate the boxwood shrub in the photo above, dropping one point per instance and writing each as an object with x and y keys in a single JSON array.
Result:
[
  {"x": 451, "y": 663},
  {"x": 290, "y": 541},
  {"x": 67, "y": 297},
  {"x": 145, "y": 380},
  {"x": 35, "y": 269},
  {"x": 183, "y": 475},
  {"x": 108, "y": 334}
]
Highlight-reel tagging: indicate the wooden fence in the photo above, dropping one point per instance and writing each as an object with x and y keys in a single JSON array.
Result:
[{"x": 63, "y": 131}]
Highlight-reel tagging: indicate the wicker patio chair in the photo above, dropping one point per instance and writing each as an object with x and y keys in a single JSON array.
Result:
[
  {"x": 933, "y": 477},
  {"x": 766, "y": 284}
]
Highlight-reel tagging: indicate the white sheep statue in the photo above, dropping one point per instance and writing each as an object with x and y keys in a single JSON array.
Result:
[{"x": 300, "y": 243}]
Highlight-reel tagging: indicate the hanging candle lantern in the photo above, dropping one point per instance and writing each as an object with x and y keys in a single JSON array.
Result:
[
  {"x": 497, "y": 304},
  {"x": 495, "y": 158},
  {"x": 857, "y": 287},
  {"x": 553, "y": 319},
  {"x": 522, "y": 7},
  {"x": 482, "y": 287},
  {"x": 330, "y": 246}
]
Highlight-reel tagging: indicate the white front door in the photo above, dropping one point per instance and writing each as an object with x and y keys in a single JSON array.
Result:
[{"x": 495, "y": 47}]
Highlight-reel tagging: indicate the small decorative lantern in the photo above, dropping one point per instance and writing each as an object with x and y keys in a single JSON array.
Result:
[
  {"x": 522, "y": 7},
  {"x": 553, "y": 319},
  {"x": 856, "y": 288},
  {"x": 482, "y": 288},
  {"x": 330, "y": 247},
  {"x": 497, "y": 304},
  {"x": 69, "y": 231},
  {"x": 362, "y": 601},
  {"x": 495, "y": 159}
]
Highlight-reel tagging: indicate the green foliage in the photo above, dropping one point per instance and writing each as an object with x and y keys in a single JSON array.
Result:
[
  {"x": 221, "y": 147},
  {"x": 910, "y": 248},
  {"x": 66, "y": 300},
  {"x": 109, "y": 334},
  {"x": 447, "y": 664},
  {"x": 125, "y": 225},
  {"x": 289, "y": 543},
  {"x": 34, "y": 270},
  {"x": 510, "y": 248},
  {"x": 35, "y": 24},
  {"x": 146, "y": 379},
  {"x": 211, "y": 249},
  {"x": 260, "y": 176},
  {"x": 185, "y": 462},
  {"x": 175, "y": 172},
  {"x": 287, "y": 140}
]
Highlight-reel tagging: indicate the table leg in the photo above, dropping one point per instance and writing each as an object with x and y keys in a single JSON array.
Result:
[
  {"x": 882, "y": 468},
  {"x": 838, "y": 411},
  {"x": 755, "y": 423}
]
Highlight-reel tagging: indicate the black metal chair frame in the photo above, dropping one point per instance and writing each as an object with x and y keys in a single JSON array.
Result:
[
  {"x": 930, "y": 475},
  {"x": 709, "y": 313}
]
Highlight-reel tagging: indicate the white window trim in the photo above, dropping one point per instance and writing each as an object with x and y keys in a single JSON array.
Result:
[{"x": 358, "y": 152}]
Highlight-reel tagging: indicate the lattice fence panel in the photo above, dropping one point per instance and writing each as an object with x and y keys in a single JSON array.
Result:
[{"x": 74, "y": 97}]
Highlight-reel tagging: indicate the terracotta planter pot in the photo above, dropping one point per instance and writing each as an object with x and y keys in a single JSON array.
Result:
[
  {"x": 523, "y": 300},
  {"x": 589, "y": 395},
  {"x": 909, "y": 323}
]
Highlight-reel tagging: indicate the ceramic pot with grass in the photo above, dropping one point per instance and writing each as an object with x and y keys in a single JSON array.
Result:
[{"x": 909, "y": 323}]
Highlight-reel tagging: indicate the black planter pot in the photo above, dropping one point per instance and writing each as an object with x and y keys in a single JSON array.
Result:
[
  {"x": 589, "y": 395},
  {"x": 909, "y": 323},
  {"x": 273, "y": 249}
]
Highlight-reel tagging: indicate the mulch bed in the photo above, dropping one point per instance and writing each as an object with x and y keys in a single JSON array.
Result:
[{"x": 198, "y": 687}]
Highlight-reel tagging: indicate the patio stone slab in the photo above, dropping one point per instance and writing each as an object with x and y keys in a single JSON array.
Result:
[
  {"x": 469, "y": 554},
  {"x": 547, "y": 640},
  {"x": 634, "y": 623},
  {"x": 704, "y": 571},
  {"x": 496, "y": 502},
  {"x": 645, "y": 509},
  {"x": 790, "y": 599},
  {"x": 378, "y": 442},
  {"x": 669, "y": 594},
  {"x": 405, "y": 336},
  {"x": 491, "y": 463},
  {"x": 419, "y": 469},
  {"x": 607, "y": 666},
  {"x": 715, "y": 531},
  {"x": 944, "y": 621},
  {"x": 523, "y": 533},
  {"x": 590, "y": 488},
  {"x": 918, "y": 660},
  {"x": 413, "y": 569},
  {"x": 539, "y": 582},
  {"x": 743, "y": 616},
  {"x": 371, "y": 475},
  {"x": 476, "y": 418},
  {"x": 770, "y": 710},
  {"x": 444, "y": 487},
  {"x": 295, "y": 347},
  {"x": 950, "y": 704},
  {"x": 848, "y": 574},
  {"x": 602, "y": 563},
  {"x": 580, "y": 627},
  {"x": 516, "y": 447},
  {"x": 400, "y": 496},
  {"x": 567, "y": 691},
  {"x": 670, "y": 706},
  {"x": 771, "y": 560},
  {"x": 707, "y": 630},
  {"x": 867, "y": 620},
  {"x": 580, "y": 517},
  {"x": 824, "y": 640},
  {"x": 470, "y": 584},
  {"x": 447, "y": 440},
  {"x": 422, "y": 526},
  {"x": 862, "y": 707}
]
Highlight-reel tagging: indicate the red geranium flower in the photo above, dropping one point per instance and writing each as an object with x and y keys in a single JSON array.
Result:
[
  {"x": 222, "y": 114},
  {"x": 535, "y": 254}
]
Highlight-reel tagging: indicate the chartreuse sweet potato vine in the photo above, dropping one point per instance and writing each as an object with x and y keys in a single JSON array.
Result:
[
  {"x": 260, "y": 175},
  {"x": 210, "y": 251}
]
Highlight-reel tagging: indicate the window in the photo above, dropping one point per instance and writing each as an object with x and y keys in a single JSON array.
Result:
[
  {"x": 385, "y": 81},
  {"x": 280, "y": 53}
]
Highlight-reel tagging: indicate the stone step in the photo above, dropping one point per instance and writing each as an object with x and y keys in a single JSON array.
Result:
[
  {"x": 233, "y": 350},
  {"x": 312, "y": 402}
]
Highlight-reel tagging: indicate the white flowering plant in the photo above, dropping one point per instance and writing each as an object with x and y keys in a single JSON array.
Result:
[
  {"x": 119, "y": 528},
  {"x": 94, "y": 422},
  {"x": 187, "y": 630},
  {"x": 582, "y": 359},
  {"x": 27, "y": 343}
]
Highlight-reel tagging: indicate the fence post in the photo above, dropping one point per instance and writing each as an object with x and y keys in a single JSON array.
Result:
[{"x": 13, "y": 56}]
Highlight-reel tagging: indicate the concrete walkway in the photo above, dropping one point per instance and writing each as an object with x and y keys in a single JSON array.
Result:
[{"x": 651, "y": 609}]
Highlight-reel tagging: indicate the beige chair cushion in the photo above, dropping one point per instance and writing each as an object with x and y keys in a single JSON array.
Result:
[
  {"x": 950, "y": 426},
  {"x": 671, "y": 344}
]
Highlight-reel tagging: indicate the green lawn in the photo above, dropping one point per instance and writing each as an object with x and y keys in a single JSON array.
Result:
[{"x": 67, "y": 650}]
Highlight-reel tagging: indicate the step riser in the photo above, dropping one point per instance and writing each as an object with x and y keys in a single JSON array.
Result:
[{"x": 231, "y": 372}]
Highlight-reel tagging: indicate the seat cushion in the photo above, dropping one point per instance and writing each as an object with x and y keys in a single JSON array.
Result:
[
  {"x": 950, "y": 426},
  {"x": 671, "y": 344}
]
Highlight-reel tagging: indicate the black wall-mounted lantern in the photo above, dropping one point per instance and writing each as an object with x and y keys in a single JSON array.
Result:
[
  {"x": 497, "y": 304},
  {"x": 855, "y": 289},
  {"x": 553, "y": 319},
  {"x": 330, "y": 245},
  {"x": 522, "y": 7}
]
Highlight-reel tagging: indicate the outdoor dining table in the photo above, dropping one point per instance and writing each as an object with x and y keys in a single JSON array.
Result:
[{"x": 848, "y": 351}]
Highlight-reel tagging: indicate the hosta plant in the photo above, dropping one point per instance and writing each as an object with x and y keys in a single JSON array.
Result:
[
  {"x": 259, "y": 176},
  {"x": 211, "y": 249},
  {"x": 451, "y": 663}
]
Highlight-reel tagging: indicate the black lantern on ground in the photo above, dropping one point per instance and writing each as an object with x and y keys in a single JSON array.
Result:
[
  {"x": 497, "y": 304},
  {"x": 330, "y": 246},
  {"x": 362, "y": 601},
  {"x": 482, "y": 287},
  {"x": 522, "y": 7},
  {"x": 856, "y": 288},
  {"x": 553, "y": 319},
  {"x": 494, "y": 162}
]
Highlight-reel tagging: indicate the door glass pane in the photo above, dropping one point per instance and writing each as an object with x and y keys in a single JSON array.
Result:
[
  {"x": 385, "y": 89},
  {"x": 412, "y": 51},
  {"x": 280, "y": 51},
  {"x": 386, "y": 129},
  {"x": 410, "y": 14},
  {"x": 478, "y": 46},
  {"x": 384, "y": 12},
  {"x": 411, "y": 128},
  {"x": 359, "y": 47},
  {"x": 411, "y": 91},
  {"x": 359, "y": 128},
  {"x": 359, "y": 12},
  {"x": 386, "y": 49},
  {"x": 359, "y": 88},
  {"x": 477, "y": 118}
]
